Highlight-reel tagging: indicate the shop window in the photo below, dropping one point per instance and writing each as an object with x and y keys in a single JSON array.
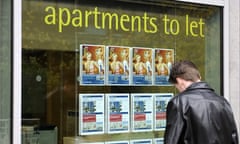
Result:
[{"x": 62, "y": 87}]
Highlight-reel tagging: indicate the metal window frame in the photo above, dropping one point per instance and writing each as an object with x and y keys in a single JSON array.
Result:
[
  {"x": 226, "y": 67},
  {"x": 17, "y": 71},
  {"x": 207, "y": 2}
]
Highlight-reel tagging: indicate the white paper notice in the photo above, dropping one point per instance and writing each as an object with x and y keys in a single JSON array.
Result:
[{"x": 91, "y": 114}]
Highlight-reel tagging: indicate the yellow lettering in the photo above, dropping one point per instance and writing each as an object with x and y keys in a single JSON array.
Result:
[
  {"x": 64, "y": 16},
  {"x": 77, "y": 21},
  {"x": 193, "y": 25},
  {"x": 136, "y": 19},
  {"x": 51, "y": 18},
  {"x": 201, "y": 23},
  {"x": 87, "y": 14},
  {"x": 153, "y": 24},
  {"x": 123, "y": 20},
  {"x": 96, "y": 13},
  {"x": 194, "y": 28},
  {"x": 63, "y": 11},
  {"x": 145, "y": 19},
  {"x": 172, "y": 23},
  {"x": 166, "y": 20},
  {"x": 110, "y": 17},
  {"x": 186, "y": 25}
]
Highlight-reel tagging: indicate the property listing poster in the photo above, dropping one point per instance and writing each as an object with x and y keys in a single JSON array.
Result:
[
  {"x": 158, "y": 141},
  {"x": 91, "y": 112},
  {"x": 117, "y": 142},
  {"x": 164, "y": 59},
  {"x": 92, "y": 64},
  {"x": 94, "y": 143},
  {"x": 142, "y": 112},
  {"x": 117, "y": 65},
  {"x": 118, "y": 113},
  {"x": 160, "y": 103},
  {"x": 142, "y": 66},
  {"x": 141, "y": 141}
]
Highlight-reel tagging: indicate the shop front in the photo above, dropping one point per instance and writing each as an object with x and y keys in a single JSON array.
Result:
[{"x": 97, "y": 72}]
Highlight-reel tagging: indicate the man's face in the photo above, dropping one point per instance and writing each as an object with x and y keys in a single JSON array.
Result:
[
  {"x": 180, "y": 84},
  {"x": 177, "y": 87}
]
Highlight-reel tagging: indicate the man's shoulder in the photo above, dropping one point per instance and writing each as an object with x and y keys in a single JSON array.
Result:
[{"x": 193, "y": 95}]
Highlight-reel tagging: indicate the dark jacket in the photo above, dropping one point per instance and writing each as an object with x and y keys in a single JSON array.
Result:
[{"x": 199, "y": 116}]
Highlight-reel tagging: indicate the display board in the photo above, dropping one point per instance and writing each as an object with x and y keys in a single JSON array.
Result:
[
  {"x": 124, "y": 65},
  {"x": 117, "y": 142},
  {"x": 142, "y": 67},
  {"x": 115, "y": 113},
  {"x": 164, "y": 59},
  {"x": 118, "y": 113},
  {"x": 160, "y": 107},
  {"x": 118, "y": 65},
  {"x": 141, "y": 141},
  {"x": 122, "y": 112},
  {"x": 158, "y": 141},
  {"x": 142, "y": 112},
  {"x": 91, "y": 114},
  {"x": 92, "y": 64}
]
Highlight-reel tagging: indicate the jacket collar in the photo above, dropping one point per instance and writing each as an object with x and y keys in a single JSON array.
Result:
[{"x": 199, "y": 85}]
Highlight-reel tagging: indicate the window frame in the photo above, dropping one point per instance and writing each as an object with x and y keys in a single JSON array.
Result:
[
  {"x": 17, "y": 71},
  {"x": 17, "y": 57},
  {"x": 208, "y": 2}
]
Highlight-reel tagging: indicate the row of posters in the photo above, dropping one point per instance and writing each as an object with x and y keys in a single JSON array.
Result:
[
  {"x": 139, "y": 141},
  {"x": 119, "y": 65},
  {"x": 120, "y": 113}
]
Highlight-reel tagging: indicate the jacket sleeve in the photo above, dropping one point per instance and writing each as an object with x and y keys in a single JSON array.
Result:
[
  {"x": 233, "y": 126},
  {"x": 234, "y": 131},
  {"x": 175, "y": 124}
]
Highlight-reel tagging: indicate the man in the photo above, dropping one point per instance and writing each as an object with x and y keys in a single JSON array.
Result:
[{"x": 197, "y": 115}]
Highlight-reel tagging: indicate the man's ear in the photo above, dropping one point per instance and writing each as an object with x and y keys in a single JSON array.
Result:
[
  {"x": 183, "y": 84},
  {"x": 179, "y": 80}
]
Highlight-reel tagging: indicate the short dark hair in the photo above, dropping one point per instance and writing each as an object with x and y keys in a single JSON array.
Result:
[{"x": 184, "y": 69}]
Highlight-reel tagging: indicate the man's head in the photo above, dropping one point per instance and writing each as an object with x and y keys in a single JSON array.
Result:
[{"x": 183, "y": 74}]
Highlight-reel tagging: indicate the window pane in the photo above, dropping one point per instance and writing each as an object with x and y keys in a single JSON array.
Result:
[
  {"x": 5, "y": 71},
  {"x": 53, "y": 32}
]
